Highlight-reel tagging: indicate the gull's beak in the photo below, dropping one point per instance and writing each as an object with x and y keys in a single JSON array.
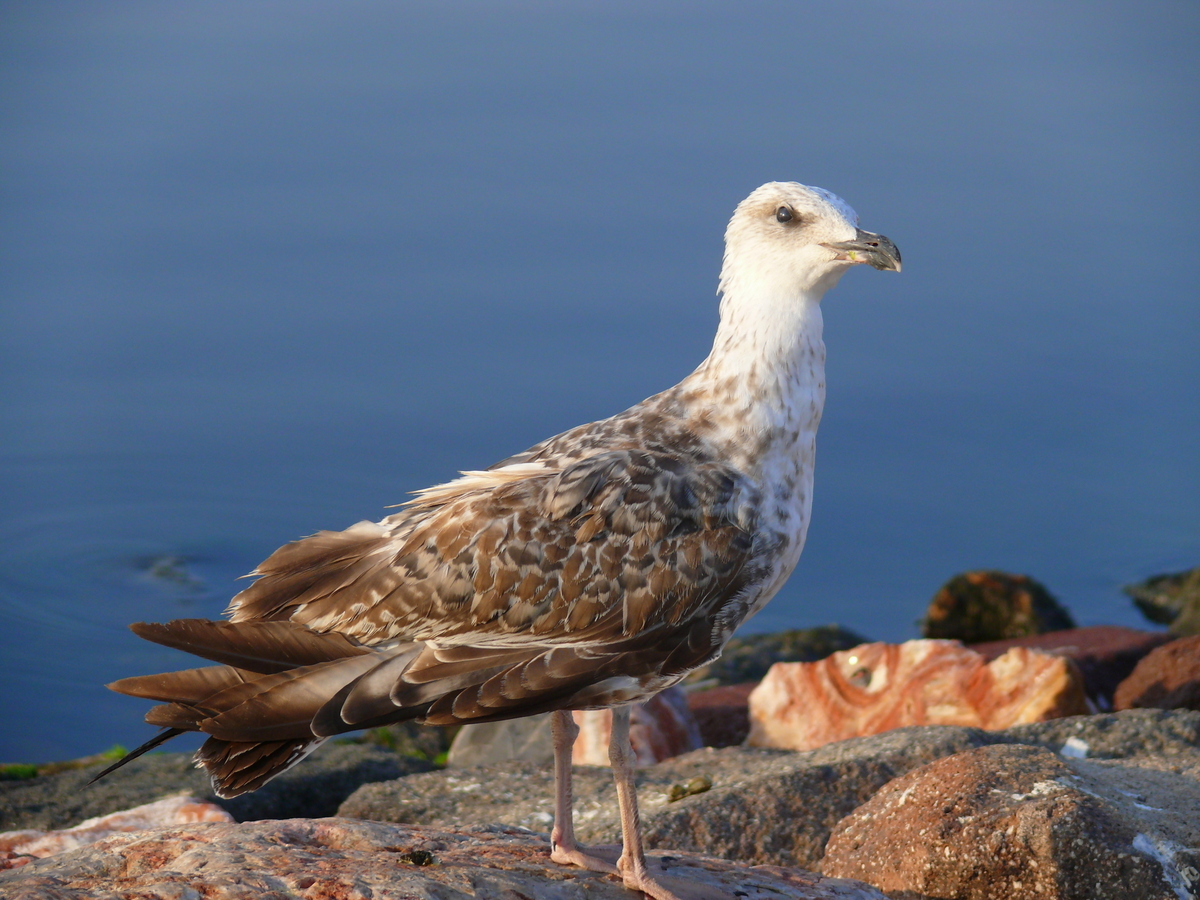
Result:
[{"x": 872, "y": 249}]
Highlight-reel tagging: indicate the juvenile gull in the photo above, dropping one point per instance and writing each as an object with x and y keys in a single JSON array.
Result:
[{"x": 593, "y": 570}]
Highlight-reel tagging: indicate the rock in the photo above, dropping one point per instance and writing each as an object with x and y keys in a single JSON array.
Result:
[
  {"x": 18, "y": 847},
  {"x": 765, "y": 806},
  {"x": 315, "y": 787},
  {"x": 345, "y": 858},
  {"x": 1105, "y": 654},
  {"x": 1020, "y": 822},
  {"x": 1172, "y": 599},
  {"x": 428, "y": 742},
  {"x": 748, "y": 657},
  {"x": 992, "y": 606},
  {"x": 722, "y": 713},
  {"x": 526, "y": 739},
  {"x": 877, "y": 687},
  {"x": 660, "y": 728},
  {"x": 1167, "y": 678}
]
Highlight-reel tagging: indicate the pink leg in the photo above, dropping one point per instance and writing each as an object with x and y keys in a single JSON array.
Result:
[
  {"x": 563, "y": 848},
  {"x": 632, "y": 863}
]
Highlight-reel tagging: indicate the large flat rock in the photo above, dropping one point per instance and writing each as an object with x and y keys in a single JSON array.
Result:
[
  {"x": 355, "y": 860},
  {"x": 314, "y": 788}
]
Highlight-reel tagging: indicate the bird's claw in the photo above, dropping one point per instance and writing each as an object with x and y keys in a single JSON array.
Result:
[{"x": 575, "y": 856}]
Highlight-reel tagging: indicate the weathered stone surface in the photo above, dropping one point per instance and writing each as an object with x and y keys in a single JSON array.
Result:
[
  {"x": 314, "y": 788},
  {"x": 1172, "y": 599},
  {"x": 723, "y": 713},
  {"x": 345, "y": 858},
  {"x": 660, "y": 728},
  {"x": 18, "y": 847},
  {"x": 1150, "y": 738},
  {"x": 1167, "y": 678},
  {"x": 1020, "y": 822},
  {"x": 992, "y": 606},
  {"x": 748, "y": 657},
  {"x": 877, "y": 687},
  {"x": 1105, "y": 654},
  {"x": 527, "y": 740},
  {"x": 765, "y": 806}
]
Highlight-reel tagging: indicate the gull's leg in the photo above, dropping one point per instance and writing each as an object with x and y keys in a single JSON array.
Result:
[
  {"x": 632, "y": 863},
  {"x": 563, "y": 848}
]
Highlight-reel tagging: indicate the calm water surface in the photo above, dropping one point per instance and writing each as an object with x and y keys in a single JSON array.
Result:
[{"x": 266, "y": 268}]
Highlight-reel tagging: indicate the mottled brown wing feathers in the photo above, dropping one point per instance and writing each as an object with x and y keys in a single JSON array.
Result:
[
  {"x": 604, "y": 548},
  {"x": 501, "y": 595},
  {"x": 313, "y": 567}
]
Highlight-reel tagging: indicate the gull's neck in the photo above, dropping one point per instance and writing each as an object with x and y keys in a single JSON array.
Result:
[{"x": 760, "y": 392}]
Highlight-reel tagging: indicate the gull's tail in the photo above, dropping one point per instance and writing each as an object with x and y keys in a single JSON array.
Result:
[{"x": 259, "y": 706}]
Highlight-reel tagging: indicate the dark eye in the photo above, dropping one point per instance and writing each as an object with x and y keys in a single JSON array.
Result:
[{"x": 783, "y": 214}]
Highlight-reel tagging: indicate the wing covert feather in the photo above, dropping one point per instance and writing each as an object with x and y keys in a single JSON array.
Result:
[{"x": 605, "y": 547}]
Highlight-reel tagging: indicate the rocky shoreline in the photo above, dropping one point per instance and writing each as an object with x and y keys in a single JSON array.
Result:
[
  {"x": 1086, "y": 789},
  {"x": 1082, "y": 806}
]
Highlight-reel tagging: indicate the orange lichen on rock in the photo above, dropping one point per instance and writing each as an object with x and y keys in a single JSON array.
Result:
[
  {"x": 18, "y": 847},
  {"x": 876, "y": 687}
]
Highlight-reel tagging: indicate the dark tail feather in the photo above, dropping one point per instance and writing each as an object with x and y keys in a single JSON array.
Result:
[
  {"x": 161, "y": 738},
  {"x": 263, "y": 647},
  {"x": 238, "y": 767}
]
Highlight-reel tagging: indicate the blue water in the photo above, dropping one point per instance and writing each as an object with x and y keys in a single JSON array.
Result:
[{"x": 265, "y": 268}]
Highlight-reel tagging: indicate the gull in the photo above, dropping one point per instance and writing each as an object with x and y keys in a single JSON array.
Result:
[{"x": 593, "y": 570}]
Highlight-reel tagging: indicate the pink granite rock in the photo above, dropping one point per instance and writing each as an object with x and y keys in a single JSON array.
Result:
[
  {"x": 1167, "y": 678},
  {"x": 1022, "y": 823},
  {"x": 660, "y": 728},
  {"x": 351, "y": 859},
  {"x": 1105, "y": 654},
  {"x": 722, "y": 713},
  {"x": 877, "y": 687},
  {"x": 18, "y": 847}
]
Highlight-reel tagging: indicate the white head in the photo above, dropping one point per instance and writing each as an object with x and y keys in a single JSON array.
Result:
[{"x": 789, "y": 239}]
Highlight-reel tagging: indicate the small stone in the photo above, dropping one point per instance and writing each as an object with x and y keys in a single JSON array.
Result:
[
  {"x": 1074, "y": 748},
  {"x": 697, "y": 785},
  {"x": 417, "y": 858}
]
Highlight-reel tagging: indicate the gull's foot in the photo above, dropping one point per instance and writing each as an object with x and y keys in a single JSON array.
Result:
[
  {"x": 592, "y": 860},
  {"x": 659, "y": 886}
]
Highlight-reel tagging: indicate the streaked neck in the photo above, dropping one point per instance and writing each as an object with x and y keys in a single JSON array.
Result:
[{"x": 762, "y": 387}]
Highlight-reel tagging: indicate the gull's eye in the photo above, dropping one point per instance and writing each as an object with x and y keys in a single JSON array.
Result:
[{"x": 783, "y": 214}]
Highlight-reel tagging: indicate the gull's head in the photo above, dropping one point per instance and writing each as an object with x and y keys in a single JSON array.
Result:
[{"x": 790, "y": 238}]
